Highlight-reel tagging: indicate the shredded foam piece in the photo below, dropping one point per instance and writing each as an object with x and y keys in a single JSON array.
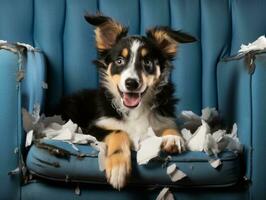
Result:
[
  {"x": 203, "y": 140},
  {"x": 218, "y": 135},
  {"x": 215, "y": 163},
  {"x": 188, "y": 115},
  {"x": 56, "y": 129},
  {"x": 211, "y": 146},
  {"x": 196, "y": 142},
  {"x": 186, "y": 134},
  {"x": 44, "y": 85},
  {"x": 149, "y": 148},
  {"x": 258, "y": 44},
  {"x": 29, "y": 138},
  {"x": 165, "y": 194},
  {"x": 174, "y": 173},
  {"x": 77, "y": 190},
  {"x": 64, "y": 135},
  {"x": 3, "y": 41},
  {"x": 207, "y": 114},
  {"x": 36, "y": 113}
]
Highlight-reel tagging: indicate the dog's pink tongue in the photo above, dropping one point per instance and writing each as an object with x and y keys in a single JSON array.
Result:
[{"x": 131, "y": 100}]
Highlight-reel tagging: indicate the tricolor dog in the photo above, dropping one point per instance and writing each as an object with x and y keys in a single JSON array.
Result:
[{"x": 135, "y": 93}]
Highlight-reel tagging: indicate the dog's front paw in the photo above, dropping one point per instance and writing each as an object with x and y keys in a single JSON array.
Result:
[
  {"x": 118, "y": 168},
  {"x": 173, "y": 144}
]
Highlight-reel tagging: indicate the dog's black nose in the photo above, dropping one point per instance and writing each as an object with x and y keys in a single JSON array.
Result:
[{"x": 132, "y": 84}]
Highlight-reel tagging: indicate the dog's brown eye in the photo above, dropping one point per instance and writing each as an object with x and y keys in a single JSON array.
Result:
[
  {"x": 148, "y": 66},
  {"x": 120, "y": 61}
]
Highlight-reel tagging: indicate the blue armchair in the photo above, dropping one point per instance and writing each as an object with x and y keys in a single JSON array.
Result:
[{"x": 206, "y": 74}]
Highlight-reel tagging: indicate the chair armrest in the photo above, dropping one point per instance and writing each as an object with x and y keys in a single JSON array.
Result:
[
  {"x": 22, "y": 83},
  {"x": 242, "y": 99},
  {"x": 9, "y": 118}
]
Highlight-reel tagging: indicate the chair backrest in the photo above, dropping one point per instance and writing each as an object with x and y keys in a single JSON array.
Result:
[{"x": 59, "y": 29}]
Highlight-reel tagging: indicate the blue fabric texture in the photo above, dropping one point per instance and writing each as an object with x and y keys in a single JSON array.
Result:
[
  {"x": 76, "y": 169},
  {"x": 9, "y": 116},
  {"x": 242, "y": 84},
  {"x": 40, "y": 191},
  {"x": 22, "y": 85},
  {"x": 34, "y": 83}
]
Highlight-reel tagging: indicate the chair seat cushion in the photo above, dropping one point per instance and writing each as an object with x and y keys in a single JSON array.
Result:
[{"x": 70, "y": 164}]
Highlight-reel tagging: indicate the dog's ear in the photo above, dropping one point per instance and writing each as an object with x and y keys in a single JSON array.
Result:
[
  {"x": 167, "y": 39},
  {"x": 107, "y": 31}
]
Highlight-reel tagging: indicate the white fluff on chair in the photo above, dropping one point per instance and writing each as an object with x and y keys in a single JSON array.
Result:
[{"x": 258, "y": 44}]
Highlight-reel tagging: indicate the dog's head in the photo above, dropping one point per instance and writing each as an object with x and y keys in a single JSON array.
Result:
[{"x": 132, "y": 67}]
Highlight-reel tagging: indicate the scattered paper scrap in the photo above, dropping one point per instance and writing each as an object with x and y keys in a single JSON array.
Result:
[
  {"x": 192, "y": 121},
  {"x": 258, "y": 44},
  {"x": 208, "y": 114},
  {"x": 44, "y": 85},
  {"x": 29, "y": 138},
  {"x": 149, "y": 148},
  {"x": 186, "y": 134},
  {"x": 174, "y": 173},
  {"x": 215, "y": 163},
  {"x": 211, "y": 145},
  {"x": 218, "y": 135},
  {"x": 77, "y": 190},
  {"x": 188, "y": 115},
  {"x": 3, "y": 41},
  {"x": 203, "y": 139},
  {"x": 196, "y": 142},
  {"x": 165, "y": 194}
]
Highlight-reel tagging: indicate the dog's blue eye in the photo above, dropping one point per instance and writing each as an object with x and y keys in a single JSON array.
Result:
[
  {"x": 120, "y": 61},
  {"x": 148, "y": 66}
]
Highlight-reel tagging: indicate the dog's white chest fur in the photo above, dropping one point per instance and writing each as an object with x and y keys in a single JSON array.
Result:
[{"x": 136, "y": 124}]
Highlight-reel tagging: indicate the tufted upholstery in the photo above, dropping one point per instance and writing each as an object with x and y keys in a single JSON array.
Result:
[{"x": 57, "y": 27}]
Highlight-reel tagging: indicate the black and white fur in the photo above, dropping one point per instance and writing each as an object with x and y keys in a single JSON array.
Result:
[{"x": 147, "y": 100}]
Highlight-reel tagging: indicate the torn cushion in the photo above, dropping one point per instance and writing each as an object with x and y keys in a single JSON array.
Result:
[{"x": 65, "y": 163}]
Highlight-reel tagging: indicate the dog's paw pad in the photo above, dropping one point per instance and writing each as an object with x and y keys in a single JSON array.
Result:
[{"x": 173, "y": 144}]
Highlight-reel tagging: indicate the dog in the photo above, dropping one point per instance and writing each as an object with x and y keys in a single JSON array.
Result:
[{"x": 135, "y": 93}]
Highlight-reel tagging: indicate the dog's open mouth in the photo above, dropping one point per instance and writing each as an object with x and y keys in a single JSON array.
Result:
[{"x": 131, "y": 99}]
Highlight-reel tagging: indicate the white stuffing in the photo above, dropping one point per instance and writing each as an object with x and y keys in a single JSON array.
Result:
[
  {"x": 174, "y": 173},
  {"x": 44, "y": 85},
  {"x": 215, "y": 163},
  {"x": 197, "y": 141},
  {"x": 201, "y": 140},
  {"x": 77, "y": 190},
  {"x": 259, "y": 44},
  {"x": 53, "y": 128},
  {"x": 56, "y": 129},
  {"x": 27, "y": 46},
  {"x": 29, "y": 138},
  {"x": 149, "y": 147},
  {"x": 165, "y": 194},
  {"x": 3, "y": 41}
]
